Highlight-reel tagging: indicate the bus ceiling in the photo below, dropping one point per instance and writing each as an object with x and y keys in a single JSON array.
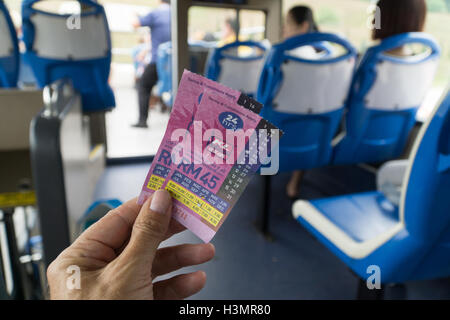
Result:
[{"x": 180, "y": 9}]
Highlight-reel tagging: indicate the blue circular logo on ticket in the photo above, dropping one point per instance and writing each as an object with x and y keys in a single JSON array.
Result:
[{"x": 231, "y": 121}]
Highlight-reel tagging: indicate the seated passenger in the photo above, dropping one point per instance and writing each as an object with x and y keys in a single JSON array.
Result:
[
  {"x": 399, "y": 17},
  {"x": 299, "y": 20},
  {"x": 229, "y": 30}
]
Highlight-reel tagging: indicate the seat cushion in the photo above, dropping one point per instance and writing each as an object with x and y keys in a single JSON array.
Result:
[
  {"x": 361, "y": 216},
  {"x": 356, "y": 225}
]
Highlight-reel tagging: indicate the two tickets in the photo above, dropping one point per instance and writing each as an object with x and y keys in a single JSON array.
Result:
[{"x": 215, "y": 142}]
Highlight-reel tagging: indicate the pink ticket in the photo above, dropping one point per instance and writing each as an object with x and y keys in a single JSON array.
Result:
[
  {"x": 189, "y": 94},
  {"x": 209, "y": 153}
]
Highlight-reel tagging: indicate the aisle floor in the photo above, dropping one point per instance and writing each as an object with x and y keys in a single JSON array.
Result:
[
  {"x": 123, "y": 140},
  {"x": 294, "y": 265}
]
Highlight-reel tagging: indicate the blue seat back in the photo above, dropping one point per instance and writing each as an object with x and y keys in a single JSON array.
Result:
[
  {"x": 324, "y": 49},
  {"x": 305, "y": 96},
  {"x": 385, "y": 95},
  {"x": 164, "y": 67},
  {"x": 425, "y": 201},
  {"x": 9, "y": 50},
  {"x": 199, "y": 52},
  {"x": 54, "y": 51},
  {"x": 237, "y": 65}
]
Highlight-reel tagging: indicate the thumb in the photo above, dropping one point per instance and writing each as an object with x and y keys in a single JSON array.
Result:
[{"x": 149, "y": 229}]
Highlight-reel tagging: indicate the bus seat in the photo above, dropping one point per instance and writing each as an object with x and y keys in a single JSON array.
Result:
[
  {"x": 324, "y": 49},
  {"x": 409, "y": 241},
  {"x": 164, "y": 66},
  {"x": 390, "y": 179},
  {"x": 9, "y": 50},
  {"x": 305, "y": 97},
  {"x": 199, "y": 53},
  {"x": 96, "y": 211},
  {"x": 81, "y": 52},
  {"x": 237, "y": 65},
  {"x": 385, "y": 95}
]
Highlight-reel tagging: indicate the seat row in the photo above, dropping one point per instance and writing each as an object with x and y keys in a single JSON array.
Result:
[
  {"x": 56, "y": 49},
  {"x": 333, "y": 108}
]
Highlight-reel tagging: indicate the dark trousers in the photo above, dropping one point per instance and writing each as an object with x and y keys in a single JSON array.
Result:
[{"x": 145, "y": 85}]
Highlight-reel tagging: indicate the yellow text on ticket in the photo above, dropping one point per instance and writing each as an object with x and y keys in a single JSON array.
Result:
[
  {"x": 155, "y": 182},
  {"x": 195, "y": 203}
]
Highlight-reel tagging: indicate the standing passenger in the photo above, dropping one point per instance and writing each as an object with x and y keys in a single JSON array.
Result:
[{"x": 159, "y": 23}]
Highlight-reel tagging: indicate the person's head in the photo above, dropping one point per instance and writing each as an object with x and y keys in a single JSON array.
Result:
[
  {"x": 165, "y": 1},
  {"x": 230, "y": 27},
  {"x": 399, "y": 16},
  {"x": 299, "y": 20}
]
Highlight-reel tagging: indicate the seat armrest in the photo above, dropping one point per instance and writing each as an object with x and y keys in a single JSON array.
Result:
[
  {"x": 390, "y": 179},
  {"x": 392, "y": 172}
]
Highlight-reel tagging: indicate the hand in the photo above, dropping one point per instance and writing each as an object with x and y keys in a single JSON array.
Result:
[
  {"x": 118, "y": 256},
  {"x": 142, "y": 55},
  {"x": 136, "y": 22}
]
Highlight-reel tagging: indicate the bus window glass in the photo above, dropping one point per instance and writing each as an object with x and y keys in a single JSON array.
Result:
[
  {"x": 353, "y": 18},
  {"x": 252, "y": 25},
  {"x": 59, "y": 7},
  {"x": 130, "y": 54},
  {"x": 212, "y": 25}
]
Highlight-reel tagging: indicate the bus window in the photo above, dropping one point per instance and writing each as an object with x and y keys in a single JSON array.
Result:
[
  {"x": 352, "y": 19},
  {"x": 13, "y": 5},
  {"x": 59, "y": 7},
  {"x": 252, "y": 25},
  {"x": 130, "y": 54},
  {"x": 221, "y": 27}
]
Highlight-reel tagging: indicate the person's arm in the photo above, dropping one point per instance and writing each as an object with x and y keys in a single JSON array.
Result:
[
  {"x": 136, "y": 23},
  {"x": 145, "y": 21}
]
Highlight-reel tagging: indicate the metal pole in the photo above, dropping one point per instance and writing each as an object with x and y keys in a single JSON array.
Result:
[
  {"x": 3, "y": 290},
  {"x": 266, "y": 205},
  {"x": 17, "y": 270},
  {"x": 180, "y": 50}
]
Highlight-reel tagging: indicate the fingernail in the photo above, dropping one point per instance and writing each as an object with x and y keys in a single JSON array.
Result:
[{"x": 160, "y": 201}]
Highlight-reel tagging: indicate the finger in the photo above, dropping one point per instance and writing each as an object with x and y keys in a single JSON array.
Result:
[
  {"x": 108, "y": 234},
  {"x": 174, "y": 228},
  {"x": 173, "y": 258},
  {"x": 179, "y": 287},
  {"x": 129, "y": 210},
  {"x": 149, "y": 230}
]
